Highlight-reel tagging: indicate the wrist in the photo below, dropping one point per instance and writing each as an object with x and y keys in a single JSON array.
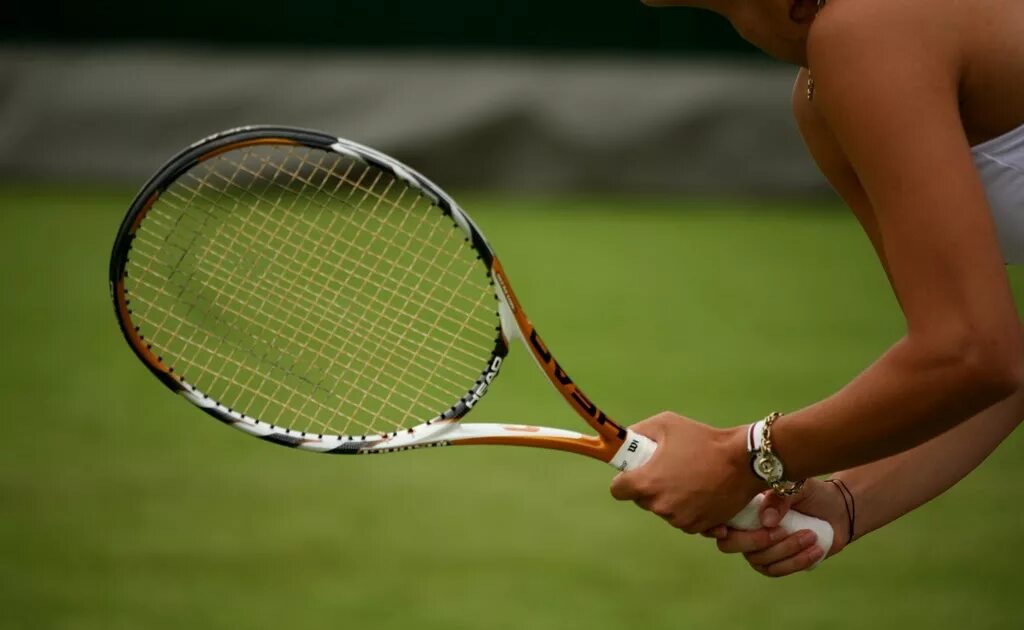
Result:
[
  {"x": 846, "y": 524},
  {"x": 735, "y": 443},
  {"x": 765, "y": 462}
]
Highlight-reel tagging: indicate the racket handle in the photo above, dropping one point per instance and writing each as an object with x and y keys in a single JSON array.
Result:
[{"x": 637, "y": 449}]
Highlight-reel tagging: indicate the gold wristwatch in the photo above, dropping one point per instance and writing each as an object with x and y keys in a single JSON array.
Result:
[{"x": 763, "y": 460}]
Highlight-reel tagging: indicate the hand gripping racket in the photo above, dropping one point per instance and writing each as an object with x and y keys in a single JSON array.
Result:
[{"x": 320, "y": 295}]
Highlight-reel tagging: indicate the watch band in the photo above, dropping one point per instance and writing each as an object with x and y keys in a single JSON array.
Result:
[
  {"x": 764, "y": 463},
  {"x": 755, "y": 433}
]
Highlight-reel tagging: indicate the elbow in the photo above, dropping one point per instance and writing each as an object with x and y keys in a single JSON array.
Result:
[
  {"x": 992, "y": 368},
  {"x": 979, "y": 368}
]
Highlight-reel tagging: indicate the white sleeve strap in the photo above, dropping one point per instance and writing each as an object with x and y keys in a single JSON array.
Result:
[{"x": 755, "y": 435}]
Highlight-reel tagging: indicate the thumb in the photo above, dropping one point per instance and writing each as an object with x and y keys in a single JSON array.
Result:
[
  {"x": 624, "y": 487},
  {"x": 652, "y": 428},
  {"x": 773, "y": 509}
]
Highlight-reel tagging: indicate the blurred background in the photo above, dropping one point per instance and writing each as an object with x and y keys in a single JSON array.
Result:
[
  {"x": 648, "y": 152},
  {"x": 543, "y": 96}
]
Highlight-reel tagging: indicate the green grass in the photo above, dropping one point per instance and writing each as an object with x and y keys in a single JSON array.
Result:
[{"x": 123, "y": 507}]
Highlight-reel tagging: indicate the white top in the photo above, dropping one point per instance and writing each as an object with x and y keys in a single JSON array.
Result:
[{"x": 1000, "y": 163}]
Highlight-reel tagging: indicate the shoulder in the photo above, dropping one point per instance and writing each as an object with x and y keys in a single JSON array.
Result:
[
  {"x": 879, "y": 31},
  {"x": 875, "y": 60},
  {"x": 885, "y": 16}
]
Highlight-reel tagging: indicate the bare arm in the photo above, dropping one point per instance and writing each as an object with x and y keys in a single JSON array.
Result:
[
  {"x": 890, "y": 103},
  {"x": 896, "y": 485},
  {"x": 888, "y": 80},
  {"x": 883, "y": 491},
  {"x": 888, "y": 489}
]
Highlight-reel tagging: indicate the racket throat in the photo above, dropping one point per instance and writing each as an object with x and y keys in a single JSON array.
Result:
[
  {"x": 535, "y": 437},
  {"x": 515, "y": 324}
]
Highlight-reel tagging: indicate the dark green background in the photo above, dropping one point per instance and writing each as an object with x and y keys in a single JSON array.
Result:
[{"x": 532, "y": 25}]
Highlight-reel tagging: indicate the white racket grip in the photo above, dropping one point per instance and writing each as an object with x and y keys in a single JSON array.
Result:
[
  {"x": 637, "y": 449},
  {"x": 792, "y": 522}
]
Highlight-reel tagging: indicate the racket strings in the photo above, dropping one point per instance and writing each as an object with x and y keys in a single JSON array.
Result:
[
  {"x": 311, "y": 291},
  {"x": 378, "y": 259},
  {"x": 330, "y": 363},
  {"x": 486, "y": 337},
  {"x": 357, "y": 321},
  {"x": 389, "y": 352},
  {"x": 230, "y": 357},
  {"x": 368, "y": 192},
  {"x": 395, "y": 342},
  {"x": 435, "y": 226},
  {"x": 375, "y": 208}
]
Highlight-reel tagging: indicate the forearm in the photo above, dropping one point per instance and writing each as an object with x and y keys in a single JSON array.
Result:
[
  {"x": 904, "y": 399},
  {"x": 888, "y": 489}
]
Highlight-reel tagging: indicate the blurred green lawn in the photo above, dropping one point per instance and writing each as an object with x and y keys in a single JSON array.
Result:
[{"x": 123, "y": 507}]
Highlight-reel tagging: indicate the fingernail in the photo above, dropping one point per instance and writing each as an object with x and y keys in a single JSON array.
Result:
[
  {"x": 777, "y": 534},
  {"x": 807, "y": 538},
  {"x": 770, "y": 517},
  {"x": 816, "y": 554}
]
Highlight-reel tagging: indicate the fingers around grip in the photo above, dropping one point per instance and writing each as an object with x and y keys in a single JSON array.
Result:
[
  {"x": 792, "y": 522},
  {"x": 748, "y": 541},
  {"x": 773, "y": 508},
  {"x": 795, "y": 521},
  {"x": 786, "y": 548},
  {"x": 803, "y": 561},
  {"x": 720, "y": 532}
]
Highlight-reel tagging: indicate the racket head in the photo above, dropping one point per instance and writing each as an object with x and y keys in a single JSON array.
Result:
[
  {"x": 166, "y": 261},
  {"x": 213, "y": 294}
]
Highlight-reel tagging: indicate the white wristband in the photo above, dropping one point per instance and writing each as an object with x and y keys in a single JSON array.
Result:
[{"x": 755, "y": 437}]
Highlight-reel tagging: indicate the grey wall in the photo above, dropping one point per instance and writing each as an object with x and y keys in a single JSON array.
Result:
[{"x": 499, "y": 122}]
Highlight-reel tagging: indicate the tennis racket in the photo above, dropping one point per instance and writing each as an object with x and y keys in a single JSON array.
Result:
[{"x": 318, "y": 294}]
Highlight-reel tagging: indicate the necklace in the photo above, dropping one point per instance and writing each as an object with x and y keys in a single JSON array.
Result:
[{"x": 810, "y": 77}]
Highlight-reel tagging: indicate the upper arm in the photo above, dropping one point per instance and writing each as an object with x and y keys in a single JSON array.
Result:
[{"x": 887, "y": 90}]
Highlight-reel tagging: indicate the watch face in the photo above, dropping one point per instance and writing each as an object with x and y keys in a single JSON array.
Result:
[{"x": 768, "y": 468}]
